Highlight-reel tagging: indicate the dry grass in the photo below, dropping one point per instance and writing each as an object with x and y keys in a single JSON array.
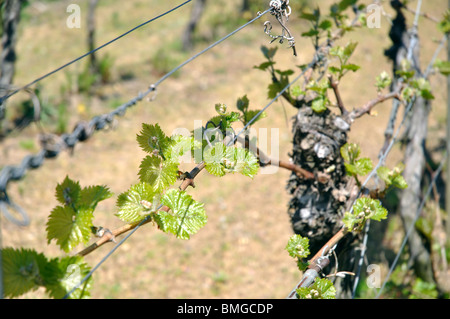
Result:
[{"x": 240, "y": 253}]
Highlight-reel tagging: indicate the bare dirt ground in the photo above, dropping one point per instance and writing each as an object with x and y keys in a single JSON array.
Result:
[{"x": 240, "y": 252}]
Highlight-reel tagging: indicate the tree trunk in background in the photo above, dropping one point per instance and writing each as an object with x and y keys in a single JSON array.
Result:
[
  {"x": 11, "y": 17},
  {"x": 197, "y": 10},
  {"x": 91, "y": 35},
  {"x": 414, "y": 140}
]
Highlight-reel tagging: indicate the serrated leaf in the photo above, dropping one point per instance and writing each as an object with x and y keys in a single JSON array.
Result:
[
  {"x": 322, "y": 288},
  {"x": 352, "y": 222},
  {"x": 443, "y": 67},
  {"x": 249, "y": 115},
  {"x": 326, "y": 288},
  {"x": 363, "y": 166},
  {"x": 310, "y": 33},
  {"x": 90, "y": 196},
  {"x": 349, "y": 49},
  {"x": 285, "y": 73},
  {"x": 383, "y": 80},
  {"x": 152, "y": 139},
  {"x": 242, "y": 161},
  {"x": 158, "y": 173},
  {"x": 137, "y": 202},
  {"x": 264, "y": 66},
  {"x": 444, "y": 24},
  {"x": 181, "y": 146},
  {"x": 213, "y": 157},
  {"x": 296, "y": 91},
  {"x": 276, "y": 87},
  {"x": 351, "y": 67},
  {"x": 325, "y": 25},
  {"x": 21, "y": 271},
  {"x": 399, "y": 182},
  {"x": 269, "y": 53},
  {"x": 243, "y": 102},
  {"x": 384, "y": 173},
  {"x": 371, "y": 208},
  {"x": 69, "y": 227},
  {"x": 350, "y": 152},
  {"x": 186, "y": 217},
  {"x": 68, "y": 192},
  {"x": 392, "y": 178},
  {"x": 318, "y": 105},
  {"x": 70, "y": 271},
  {"x": 298, "y": 246}
]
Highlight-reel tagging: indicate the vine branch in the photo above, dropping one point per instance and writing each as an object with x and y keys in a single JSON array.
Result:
[{"x": 110, "y": 235}]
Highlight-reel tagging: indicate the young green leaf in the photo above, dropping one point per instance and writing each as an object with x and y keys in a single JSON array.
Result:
[
  {"x": 322, "y": 288},
  {"x": 69, "y": 271},
  {"x": 241, "y": 161},
  {"x": 158, "y": 173},
  {"x": 264, "y": 66},
  {"x": 243, "y": 103},
  {"x": 276, "y": 87},
  {"x": 269, "y": 53},
  {"x": 394, "y": 177},
  {"x": 249, "y": 115},
  {"x": 424, "y": 88},
  {"x": 360, "y": 167},
  {"x": 137, "y": 202},
  {"x": 383, "y": 80},
  {"x": 187, "y": 216},
  {"x": 444, "y": 24},
  {"x": 68, "y": 192},
  {"x": 351, "y": 67},
  {"x": 319, "y": 104},
  {"x": 69, "y": 227},
  {"x": 442, "y": 66},
  {"x": 350, "y": 152},
  {"x": 180, "y": 146},
  {"x": 90, "y": 196},
  {"x": 213, "y": 157},
  {"x": 21, "y": 271},
  {"x": 298, "y": 246},
  {"x": 152, "y": 139},
  {"x": 363, "y": 209}
]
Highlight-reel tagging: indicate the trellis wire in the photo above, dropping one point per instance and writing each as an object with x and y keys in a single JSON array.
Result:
[
  {"x": 4, "y": 98},
  {"x": 82, "y": 132}
]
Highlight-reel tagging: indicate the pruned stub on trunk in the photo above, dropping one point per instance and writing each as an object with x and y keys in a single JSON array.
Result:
[{"x": 317, "y": 205}]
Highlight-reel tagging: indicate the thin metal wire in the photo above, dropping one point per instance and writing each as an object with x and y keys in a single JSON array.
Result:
[
  {"x": 209, "y": 48},
  {"x": 4, "y": 98},
  {"x": 83, "y": 132}
]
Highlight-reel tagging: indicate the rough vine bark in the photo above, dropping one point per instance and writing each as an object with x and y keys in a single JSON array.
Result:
[{"x": 317, "y": 206}]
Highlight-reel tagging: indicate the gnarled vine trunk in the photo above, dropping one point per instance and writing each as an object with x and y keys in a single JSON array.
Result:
[{"x": 317, "y": 206}]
